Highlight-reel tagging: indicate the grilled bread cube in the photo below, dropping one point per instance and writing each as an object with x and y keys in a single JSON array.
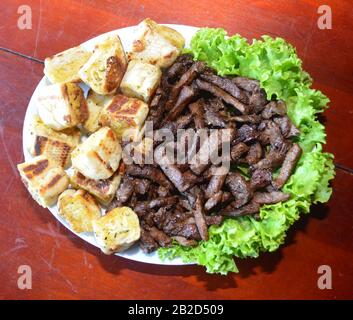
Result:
[
  {"x": 118, "y": 230},
  {"x": 56, "y": 146},
  {"x": 140, "y": 80},
  {"x": 43, "y": 179},
  {"x": 156, "y": 44},
  {"x": 64, "y": 66},
  {"x": 103, "y": 190},
  {"x": 106, "y": 67},
  {"x": 99, "y": 155},
  {"x": 62, "y": 106},
  {"x": 95, "y": 104},
  {"x": 124, "y": 113},
  {"x": 79, "y": 209}
]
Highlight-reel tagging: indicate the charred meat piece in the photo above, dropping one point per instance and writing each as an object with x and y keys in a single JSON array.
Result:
[
  {"x": 125, "y": 190},
  {"x": 213, "y": 117},
  {"x": 238, "y": 150},
  {"x": 249, "y": 118},
  {"x": 274, "y": 108},
  {"x": 199, "y": 215},
  {"x": 221, "y": 198},
  {"x": 270, "y": 197},
  {"x": 246, "y": 84},
  {"x": 147, "y": 243},
  {"x": 201, "y": 161},
  {"x": 226, "y": 97},
  {"x": 239, "y": 188},
  {"x": 185, "y": 80},
  {"x": 260, "y": 178},
  {"x": 257, "y": 101},
  {"x": 227, "y": 85},
  {"x": 215, "y": 185},
  {"x": 255, "y": 154},
  {"x": 181, "y": 225},
  {"x": 162, "y": 202},
  {"x": 141, "y": 186},
  {"x": 141, "y": 208},
  {"x": 272, "y": 160},
  {"x": 232, "y": 210},
  {"x": 185, "y": 242},
  {"x": 160, "y": 237},
  {"x": 181, "y": 123},
  {"x": 160, "y": 216},
  {"x": 186, "y": 96},
  {"x": 288, "y": 166},
  {"x": 189, "y": 75},
  {"x": 181, "y": 180},
  {"x": 197, "y": 112},
  {"x": 189, "y": 231},
  {"x": 246, "y": 133},
  {"x": 270, "y": 133},
  {"x": 162, "y": 191},
  {"x": 180, "y": 67},
  {"x": 288, "y": 129},
  {"x": 214, "y": 220},
  {"x": 213, "y": 200},
  {"x": 149, "y": 172}
]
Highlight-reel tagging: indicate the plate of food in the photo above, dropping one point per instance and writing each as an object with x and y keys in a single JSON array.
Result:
[{"x": 173, "y": 144}]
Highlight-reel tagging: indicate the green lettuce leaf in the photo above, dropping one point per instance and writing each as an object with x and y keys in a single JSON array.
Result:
[{"x": 275, "y": 64}]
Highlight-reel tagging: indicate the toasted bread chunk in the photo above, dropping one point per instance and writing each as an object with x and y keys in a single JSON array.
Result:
[
  {"x": 43, "y": 179},
  {"x": 156, "y": 44},
  {"x": 103, "y": 190},
  {"x": 95, "y": 104},
  {"x": 56, "y": 146},
  {"x": 124, "y": 114},
  {"x": 64, "y": 66},
  {"x": 118, "y": 230},
  {"x": 99, "y": 155},
  {"x": 79, "y": 209},
  {"x": 106, "y": 67},
  {"x": 140, "y": 80},
  {"x": 62, "y": 106}
]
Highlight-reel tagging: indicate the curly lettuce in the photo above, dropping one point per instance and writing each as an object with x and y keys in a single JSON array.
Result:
[{"x": 275, "y": 63}]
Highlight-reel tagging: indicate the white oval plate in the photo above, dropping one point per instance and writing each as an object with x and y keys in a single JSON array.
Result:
[{"x": 126, "y": 36}]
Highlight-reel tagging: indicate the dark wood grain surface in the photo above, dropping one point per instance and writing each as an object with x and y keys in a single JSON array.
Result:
[{"x": 64, "y": 266}]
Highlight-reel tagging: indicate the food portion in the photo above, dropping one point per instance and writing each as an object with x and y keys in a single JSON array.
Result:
[
  {"x": 124, "y": 115},
  {"x": 43, "y": 179},
  {"x": 62, "y": 106},
  {"x": 98, "y": 157},
  {"x": 64, "y": 66},
  {"x": 156, "y": 44},
  {"x": 79, "y": 209},
  {"x": 182, "y": 200},
  {"x": 56, "y": 146},
  {"x": 117, "y": 230},
  {"x": 105, "y": 68},
  {"x": 276, "y": 66},
  {"x": 104, "y": 190},
  {"x": 251, "y": 146},
  {"x": 140, "y": 80},
  {"x": 95, "y": 104}
]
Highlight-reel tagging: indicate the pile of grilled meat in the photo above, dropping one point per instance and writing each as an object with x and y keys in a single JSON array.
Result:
[{"x": 180, "y": 201}]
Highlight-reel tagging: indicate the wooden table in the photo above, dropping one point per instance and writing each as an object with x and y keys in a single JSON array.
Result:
[{"x": 65, "y": 267}]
